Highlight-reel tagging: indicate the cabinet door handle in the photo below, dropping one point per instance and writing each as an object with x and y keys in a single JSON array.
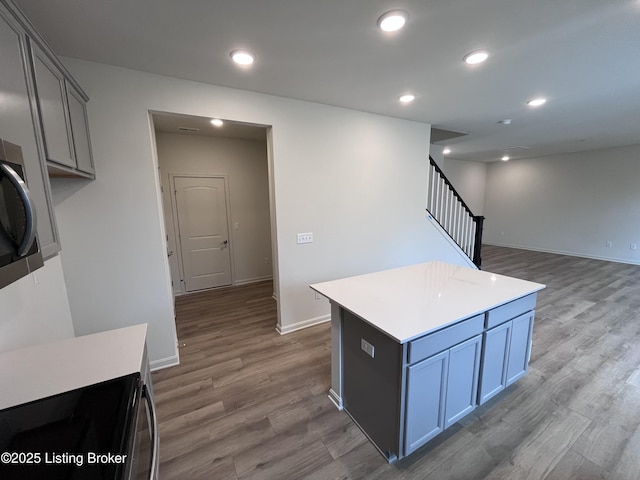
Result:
[{"x": 29, "y": 209}]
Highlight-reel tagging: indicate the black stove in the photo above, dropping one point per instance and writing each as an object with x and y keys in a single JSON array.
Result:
[{"x": 80, "y": 434}]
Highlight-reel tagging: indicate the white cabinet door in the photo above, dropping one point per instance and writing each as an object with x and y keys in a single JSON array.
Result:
[
  {"x": 495, "y": 353},
  {"x": 520, "y": 347},
  {"x": 506, "y": 355},
  {"x": 426, "y": 395},
  {"x": 462, "y": 380}
]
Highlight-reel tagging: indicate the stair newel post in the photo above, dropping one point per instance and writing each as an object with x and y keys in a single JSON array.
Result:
[{"x": 477, "y": 259}]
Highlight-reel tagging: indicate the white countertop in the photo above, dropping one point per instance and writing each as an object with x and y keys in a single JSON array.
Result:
[
  {"x": 43, "y": 370},
  {"x": 408, "y": 302}
]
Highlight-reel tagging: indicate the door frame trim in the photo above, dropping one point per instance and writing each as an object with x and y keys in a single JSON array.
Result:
[{"x": 176, "y": 226}]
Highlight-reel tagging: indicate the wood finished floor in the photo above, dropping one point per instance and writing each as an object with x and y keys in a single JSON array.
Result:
[{"x": 247, "y": 403}]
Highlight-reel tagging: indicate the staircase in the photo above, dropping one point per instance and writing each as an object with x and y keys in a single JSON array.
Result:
[{"x": 448, "y": 208}]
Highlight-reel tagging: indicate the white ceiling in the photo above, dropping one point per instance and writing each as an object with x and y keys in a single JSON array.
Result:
[
  {"x": 580, "y": 54},
  {"x": 174, "y": 123}
]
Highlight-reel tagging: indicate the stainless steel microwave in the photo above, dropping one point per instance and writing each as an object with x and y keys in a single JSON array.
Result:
[{"x": 19, "y": 251}]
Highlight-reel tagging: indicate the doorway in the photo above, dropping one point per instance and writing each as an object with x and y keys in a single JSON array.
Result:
[
  {"x": 203, "y": 231},
  {"x": 216, "y": 197}
]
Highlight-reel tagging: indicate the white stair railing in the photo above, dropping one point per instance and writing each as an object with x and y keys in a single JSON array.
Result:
[{"x": 448, "y": 208}]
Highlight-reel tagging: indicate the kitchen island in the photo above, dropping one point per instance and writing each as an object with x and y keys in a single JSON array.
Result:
[{"x": 415, "y": 349}]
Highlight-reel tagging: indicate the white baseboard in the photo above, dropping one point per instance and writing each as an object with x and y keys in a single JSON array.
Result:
[
  {"x": 166, "y": 362},
  {"x": 235, "y": 284},
  {"x": 247, "y": 281},
  {"x": 336, "y": 399},
  {"x": 562, "y": 252},
  {"x": 303, "y": 324}
]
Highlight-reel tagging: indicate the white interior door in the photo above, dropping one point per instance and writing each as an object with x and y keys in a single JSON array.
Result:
[{"x": 201, "y": 205}]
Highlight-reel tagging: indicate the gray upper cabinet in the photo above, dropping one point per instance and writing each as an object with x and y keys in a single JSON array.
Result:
[
  {"x": 17, "y": 113},
  {"x": 42, "y": 109},
  {"x": 63, "y": 117},
  {"x": 50, "y": 94},
  {"x": 80, "y": 130}
]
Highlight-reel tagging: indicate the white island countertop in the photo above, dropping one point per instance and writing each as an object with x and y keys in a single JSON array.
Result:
[
  {"x": 48, "y": 369},
  {"x": 408, "y": 302}
]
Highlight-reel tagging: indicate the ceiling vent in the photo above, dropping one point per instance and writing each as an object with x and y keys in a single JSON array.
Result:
[{"x": 188, "y": 129}]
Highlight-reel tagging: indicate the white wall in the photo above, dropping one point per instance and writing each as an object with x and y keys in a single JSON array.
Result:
[
  {"x": 356, "y": 180},
  {"x": 244, "y": 164},
  {"x": 437, "y": 153},
  {"x": 31, "y": 314},
  {"x": 469, "y": 180},
  {"x": 571, "y": 203}
]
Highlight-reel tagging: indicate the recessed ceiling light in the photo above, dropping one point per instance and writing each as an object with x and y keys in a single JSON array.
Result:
[
  {"x": 216, "y": 122},
  {"x": 407, "y": 98},
  {"x": 242, "y": 57},
  {"x": 536, "y": 102},
  {"x": 478, "y": 56},
  {"x": 506, "y": 121},
  {"x": 392, "y": 21},
  {"x": 505, "y": 158},
  {"x": 446, "y": 151}
]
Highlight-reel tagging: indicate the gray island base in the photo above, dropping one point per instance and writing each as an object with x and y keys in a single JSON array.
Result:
[{"x": 415, "y": 349}]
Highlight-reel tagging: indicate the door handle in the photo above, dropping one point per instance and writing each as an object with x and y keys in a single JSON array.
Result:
[
  {"x": 29, "y": 209},
  {"x": 225, "y": 242},
  {"x": 155, "y": 436},
  {"x": 170, "y": 253}
]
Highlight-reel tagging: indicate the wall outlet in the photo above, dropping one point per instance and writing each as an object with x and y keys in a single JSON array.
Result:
[
  {"x": 367, "y": 347},
  {"x": 305, "y": 237},
  {"x": 609, "y": 244},
  {"x": 318, "y": 296},
  {"x": 633, "y": 246},
  {"x": 267, "y": 261}
]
